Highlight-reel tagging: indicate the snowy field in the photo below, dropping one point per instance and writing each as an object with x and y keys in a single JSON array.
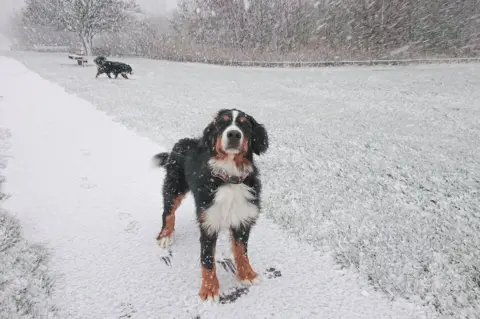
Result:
[{"x": 377, "y": 167}]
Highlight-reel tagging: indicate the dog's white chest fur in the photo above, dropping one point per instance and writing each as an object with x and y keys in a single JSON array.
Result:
[{"x": 230, "y": 208}]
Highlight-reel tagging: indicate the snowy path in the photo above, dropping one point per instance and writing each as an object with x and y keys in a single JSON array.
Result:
[{"x": 83, "y": 185}]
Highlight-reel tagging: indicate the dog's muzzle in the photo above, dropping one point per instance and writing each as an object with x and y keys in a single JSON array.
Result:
[{"x": 234, "y": 140}]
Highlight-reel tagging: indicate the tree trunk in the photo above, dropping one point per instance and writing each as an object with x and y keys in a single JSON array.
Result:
[
  {"x": 90, "y": 45},
  {"x": 87, "y": 45}
]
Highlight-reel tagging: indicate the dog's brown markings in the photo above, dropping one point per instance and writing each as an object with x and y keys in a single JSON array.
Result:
[
  {"x": 202, "y": 217},
  {"x": 170, "y": 219},
  {"x": 244, "y": 270},
  {"x": 210, "y": 286},
  {"x": 218, "y": 149},
  {"x": 245, "y": 146},
  {"x": 239, "y": 159}
]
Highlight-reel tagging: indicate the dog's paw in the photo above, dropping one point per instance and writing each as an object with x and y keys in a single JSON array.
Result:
[
  {"x": 165, "y": 241},
  {"x": 247, "y": 276},
  {"x": 250, "y": 281},
  {"x": 209, "y": 293}
]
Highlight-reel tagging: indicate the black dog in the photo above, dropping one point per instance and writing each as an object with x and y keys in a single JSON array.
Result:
[
  {"x": 107, "y": 67},
  {"x": 218, "y": 169}
]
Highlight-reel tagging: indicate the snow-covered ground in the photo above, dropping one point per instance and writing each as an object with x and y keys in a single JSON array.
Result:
[
  {"x": 84, "y": 186},
  {"x": 378, "y": 167},
  {"x": 25, "y": 283}
]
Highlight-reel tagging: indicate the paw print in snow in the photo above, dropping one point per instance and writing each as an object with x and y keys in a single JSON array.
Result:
[
  {"x": 132, "y": 227},
  {"x": 127, "y": 310},
  {"x": 273, "y": 273},
  {"x": 85, "y": 183},
  {"x": 228, "y": 265},
  {"x": 167, "y": 259}
]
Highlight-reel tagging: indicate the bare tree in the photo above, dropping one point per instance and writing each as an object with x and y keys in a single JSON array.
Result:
[
  {"x": 329, "y": 28},
  {"x": 146, "y": 36},
  {"x": 86, "y": 18}
]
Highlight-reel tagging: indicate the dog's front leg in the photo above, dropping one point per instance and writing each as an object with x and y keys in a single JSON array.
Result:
[
  {"x": 210, "y": 287},
  {"x": 239, "y": 240},
  {"x": 108, "y": 74}
]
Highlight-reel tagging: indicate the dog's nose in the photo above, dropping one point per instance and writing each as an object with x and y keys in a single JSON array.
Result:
[{"x": 234, "y": 135}]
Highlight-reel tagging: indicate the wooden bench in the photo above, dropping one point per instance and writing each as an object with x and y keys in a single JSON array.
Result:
[{"x": 81, "y": 59}]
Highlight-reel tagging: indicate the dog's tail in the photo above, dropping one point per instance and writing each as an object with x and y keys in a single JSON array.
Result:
[{"x": 161, "y": 159}]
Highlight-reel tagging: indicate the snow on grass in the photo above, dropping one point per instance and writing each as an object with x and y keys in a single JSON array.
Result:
[
  {"x": 379, "y": 165},
  {"x": 25, "y": 282},
  {"x": 85, "y": 187}
]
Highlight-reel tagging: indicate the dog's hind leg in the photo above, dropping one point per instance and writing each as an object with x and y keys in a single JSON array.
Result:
[
  {"x": 174, "y": 190},
  {"x": 108, "y": 74}
]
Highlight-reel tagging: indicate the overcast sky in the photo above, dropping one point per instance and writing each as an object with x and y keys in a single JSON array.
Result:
[{"x": 150, "y": 6}]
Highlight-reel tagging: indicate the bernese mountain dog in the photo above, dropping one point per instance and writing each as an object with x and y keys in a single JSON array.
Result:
[
  {"x": 107, "y": 67},
  {"x": 218, "y": 168}
]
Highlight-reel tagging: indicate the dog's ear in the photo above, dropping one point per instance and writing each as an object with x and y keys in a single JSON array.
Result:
[
  {"x": 209, "y": 138},
  {"x": 259, "y": 137}
]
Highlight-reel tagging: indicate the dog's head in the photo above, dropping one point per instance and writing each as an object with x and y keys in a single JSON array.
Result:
[
  {"x": 99, "y": 60},
  {"x": 233, "y": 132}
]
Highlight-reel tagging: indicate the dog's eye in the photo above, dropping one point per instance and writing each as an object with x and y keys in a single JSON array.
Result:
[
  {"x": 226, "y": 117},
  {"x": 244, "y": 120}
]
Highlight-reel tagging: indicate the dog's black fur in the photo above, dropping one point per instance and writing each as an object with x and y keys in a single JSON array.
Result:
[
  {"x": 107, "y": 67},
  {"x": 188, "y": 169}
]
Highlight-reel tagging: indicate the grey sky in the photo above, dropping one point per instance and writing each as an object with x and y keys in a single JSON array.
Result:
[{"x": 150, "y": 6}]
